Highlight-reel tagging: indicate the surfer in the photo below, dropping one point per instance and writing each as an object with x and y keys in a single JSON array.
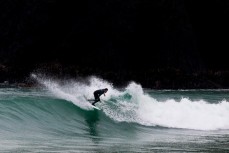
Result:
[{"x": 97, "y": 94}]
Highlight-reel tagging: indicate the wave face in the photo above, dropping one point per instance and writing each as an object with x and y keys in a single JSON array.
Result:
[{"x": 59, "y": 112}]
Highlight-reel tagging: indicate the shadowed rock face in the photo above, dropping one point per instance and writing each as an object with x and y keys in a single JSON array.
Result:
[{"x": 107, "y": 37}]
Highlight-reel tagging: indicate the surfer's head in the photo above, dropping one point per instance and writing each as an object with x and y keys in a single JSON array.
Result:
[{"x": 105, "y": 89}]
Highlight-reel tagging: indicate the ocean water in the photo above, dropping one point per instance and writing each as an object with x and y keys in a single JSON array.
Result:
[{"x": 55, "y": 117}]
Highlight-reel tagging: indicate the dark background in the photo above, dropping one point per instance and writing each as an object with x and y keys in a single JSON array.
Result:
[{"x": 158, "y": 43}]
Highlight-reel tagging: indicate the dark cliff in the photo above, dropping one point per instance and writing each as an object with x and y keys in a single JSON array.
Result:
[{"x": 160, "y": 44}]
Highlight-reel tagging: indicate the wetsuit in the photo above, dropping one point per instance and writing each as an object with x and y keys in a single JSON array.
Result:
[{"x": 97, "y": 94}]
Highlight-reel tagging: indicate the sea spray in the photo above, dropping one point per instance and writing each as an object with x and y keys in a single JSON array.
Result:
[
  {"x": 74, "y": 91},
  {"x": 63, "y": 92}
]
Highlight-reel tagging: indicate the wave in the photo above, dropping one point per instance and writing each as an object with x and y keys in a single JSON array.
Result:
[{"x": 133, "y": 105}]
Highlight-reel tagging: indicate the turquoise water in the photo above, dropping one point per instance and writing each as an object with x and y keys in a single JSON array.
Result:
[{"x": 55, "y": 117}]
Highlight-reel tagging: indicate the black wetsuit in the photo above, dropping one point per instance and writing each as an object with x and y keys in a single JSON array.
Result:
[{"x": 97, "y": 94}]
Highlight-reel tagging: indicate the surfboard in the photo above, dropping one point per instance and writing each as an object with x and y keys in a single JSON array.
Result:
[{"x": 95, "y": 107}]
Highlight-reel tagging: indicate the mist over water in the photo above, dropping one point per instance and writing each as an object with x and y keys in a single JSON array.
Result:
[{"x": 132, "y": 104}]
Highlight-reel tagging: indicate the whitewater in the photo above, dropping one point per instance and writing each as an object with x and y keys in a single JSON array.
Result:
[{"x": 56, "y": 117}]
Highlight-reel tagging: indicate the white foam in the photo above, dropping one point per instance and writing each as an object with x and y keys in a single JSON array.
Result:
[
  {"x": 146, "y": 110},
  {"x": 185, "y": 114}
]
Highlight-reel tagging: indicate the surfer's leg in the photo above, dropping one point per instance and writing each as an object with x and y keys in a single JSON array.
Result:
[
  {"x": 96, "y": 100},
  {"x": 94, "y": 103}
]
